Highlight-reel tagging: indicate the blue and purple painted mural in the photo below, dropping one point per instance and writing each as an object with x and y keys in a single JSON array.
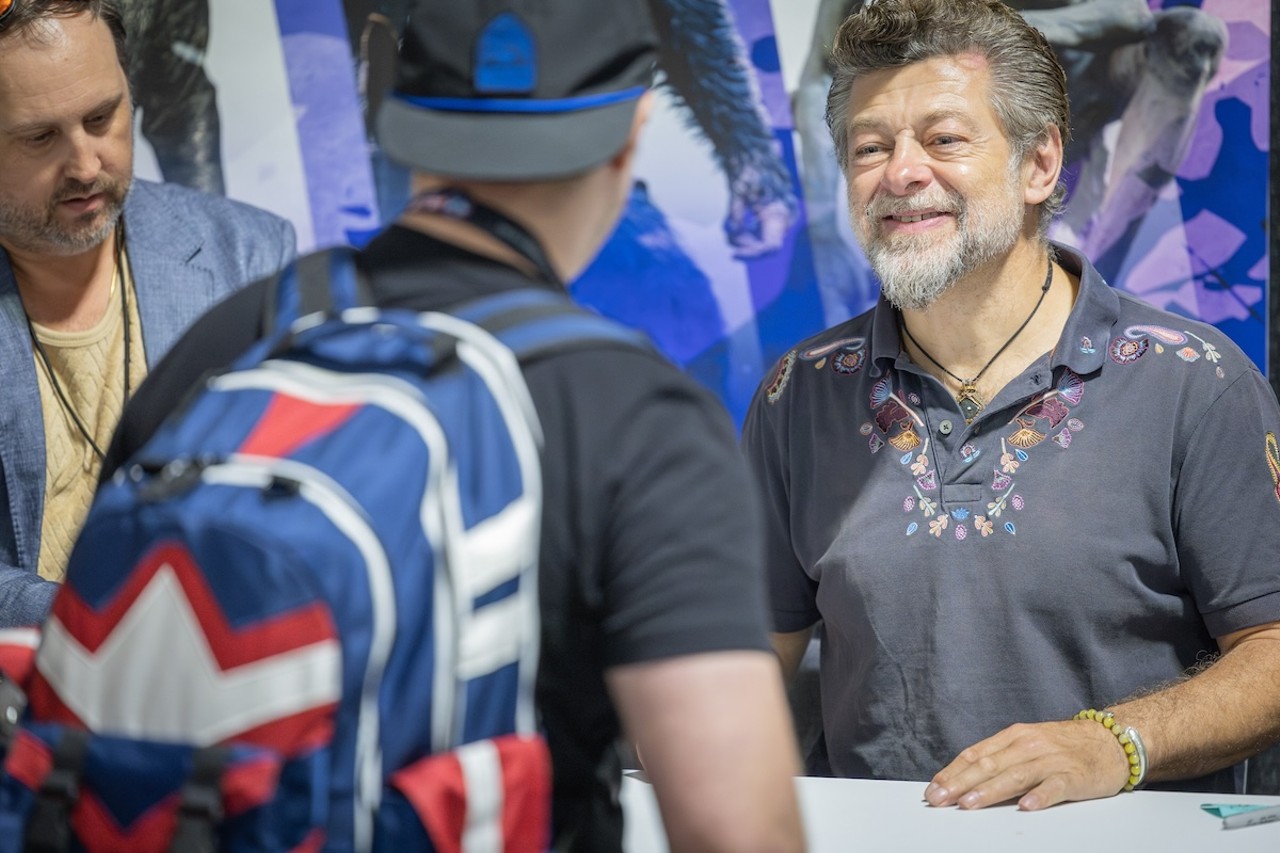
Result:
[{"x": 735, "y": 243}]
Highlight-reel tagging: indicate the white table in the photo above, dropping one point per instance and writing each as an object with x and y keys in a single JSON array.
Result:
[{"x": 862, "y": 815}]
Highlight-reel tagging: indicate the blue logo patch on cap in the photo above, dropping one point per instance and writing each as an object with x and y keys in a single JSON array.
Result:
[{"x": 506, "y": 60}]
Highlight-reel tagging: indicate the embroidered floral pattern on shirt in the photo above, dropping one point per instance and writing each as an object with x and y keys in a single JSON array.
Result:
[
  {"x": 1160, "y": 333},
  {"x": 1136, "y": 340},
  {"x": 1046, "y": 416},
  {"x": 1273, "y": 462},
  {"x": 847, "y": 355},
  {"x": 848, "y": 363},
  {"x": 896, "y": 420},
  {"x": 1043, "y": 414},
  {"x": 781, "y": 376},
  {"x": 902, "y": 428},
  {"x": 1127, "y": 350}
]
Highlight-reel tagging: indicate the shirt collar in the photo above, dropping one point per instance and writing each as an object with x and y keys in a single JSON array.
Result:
[
  {"x": 886, "y": 339},
  {"x": 1082, "y": 346},
  {"x": 1084, "y": 340}
]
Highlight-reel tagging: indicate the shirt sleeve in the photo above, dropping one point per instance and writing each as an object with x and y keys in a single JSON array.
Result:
[
  {"x": 676, "y": 517},
  {"x": 765, "y": 442},
  {"x": 1226, "y": 508}
]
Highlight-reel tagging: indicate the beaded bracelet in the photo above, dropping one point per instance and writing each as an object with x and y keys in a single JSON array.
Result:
[{"x": 1130, "y": 741}]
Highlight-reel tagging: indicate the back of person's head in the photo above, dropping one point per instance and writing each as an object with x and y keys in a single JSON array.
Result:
[
  {"x": 25, "y": 17},
  {"x": 1028, "y": 84},
  {"x": 517, "y": 90}
]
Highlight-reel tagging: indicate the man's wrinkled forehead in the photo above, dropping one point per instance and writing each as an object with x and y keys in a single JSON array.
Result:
[{"x": 943, "y": 85}]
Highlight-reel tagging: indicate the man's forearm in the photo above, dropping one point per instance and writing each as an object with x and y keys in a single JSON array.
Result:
[
  {"x": 718, "y": 745},
  {"x": 1221, "y": 715},
  {"x": 1206, "y": 722}
]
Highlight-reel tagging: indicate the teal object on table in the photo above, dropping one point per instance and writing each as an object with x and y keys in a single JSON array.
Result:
[
  {"x": 1227, "y": 810},
  {"x": 1235, "y": 816}
]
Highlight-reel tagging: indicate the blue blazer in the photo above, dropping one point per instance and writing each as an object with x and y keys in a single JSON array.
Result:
[{"x": 186, "y": 250}]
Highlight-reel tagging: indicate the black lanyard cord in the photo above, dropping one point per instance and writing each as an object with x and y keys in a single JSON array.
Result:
[
  {"x": 457, "y": 205},
  {"x": 117, "y": 277}
]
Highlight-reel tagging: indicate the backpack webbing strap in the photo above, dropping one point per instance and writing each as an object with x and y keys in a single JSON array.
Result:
[
  {"x": 315, "y": 284},
  {"x": 200, "y": 807},
  {"x": 316, "y": 288},
  {"x": 535, "y": 322},
  {"x": 49, "y": 827}
]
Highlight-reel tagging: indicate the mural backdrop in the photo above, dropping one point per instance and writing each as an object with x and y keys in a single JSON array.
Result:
[{"x": 735, "y": 242}]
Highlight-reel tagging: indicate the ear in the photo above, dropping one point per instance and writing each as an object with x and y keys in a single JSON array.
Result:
[
  {"x": 626, "y": 154},
  {"x": 1042, "y": 166}
]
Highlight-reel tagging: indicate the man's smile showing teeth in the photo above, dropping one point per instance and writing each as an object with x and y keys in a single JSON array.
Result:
[{"x": 914, "y": 217}]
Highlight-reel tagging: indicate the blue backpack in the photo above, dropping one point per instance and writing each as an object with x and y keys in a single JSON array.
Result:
[{"x": 305, "y": 614}]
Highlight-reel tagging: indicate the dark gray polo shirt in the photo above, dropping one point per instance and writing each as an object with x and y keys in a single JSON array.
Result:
[{"x": 1108, "y": 514}]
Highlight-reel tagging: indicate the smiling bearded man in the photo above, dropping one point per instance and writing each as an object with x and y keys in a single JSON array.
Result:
[{"x": 999, "y": 490}]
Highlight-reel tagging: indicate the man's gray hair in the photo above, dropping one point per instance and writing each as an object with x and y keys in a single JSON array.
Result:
[{"x": 1028, "y": 85}]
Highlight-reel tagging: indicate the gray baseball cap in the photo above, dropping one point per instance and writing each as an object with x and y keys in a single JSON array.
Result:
[{"x": 517, "y": 89}]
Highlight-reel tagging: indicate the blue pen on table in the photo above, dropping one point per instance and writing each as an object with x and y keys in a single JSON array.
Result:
[{"x": 1235, "y": 816}]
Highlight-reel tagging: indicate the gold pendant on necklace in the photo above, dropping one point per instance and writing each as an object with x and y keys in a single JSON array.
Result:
[{"x": 969, "y": 401}]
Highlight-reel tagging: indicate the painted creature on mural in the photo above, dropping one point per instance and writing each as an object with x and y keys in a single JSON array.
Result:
[
  {"x": 646, "y": 276},
  {"x": 172, "y": 90}
]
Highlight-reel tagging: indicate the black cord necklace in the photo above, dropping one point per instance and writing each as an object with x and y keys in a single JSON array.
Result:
[
  {"x": 969, "y": 400},
  {"x": 457, "y": 205},
  {"x": 117, "y": 278}
]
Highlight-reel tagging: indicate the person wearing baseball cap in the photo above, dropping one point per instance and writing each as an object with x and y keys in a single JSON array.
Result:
[
  {"x": 539, "y": 90},
  {"x": 520, "y": 120}
]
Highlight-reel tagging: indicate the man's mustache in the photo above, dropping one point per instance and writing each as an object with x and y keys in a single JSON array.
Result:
[
  {"x": 935, "y": 199},
  {"x": 77, "y": 189}
]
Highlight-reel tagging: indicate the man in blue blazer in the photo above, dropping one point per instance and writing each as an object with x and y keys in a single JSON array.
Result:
[{"x": 99, "y": 274}]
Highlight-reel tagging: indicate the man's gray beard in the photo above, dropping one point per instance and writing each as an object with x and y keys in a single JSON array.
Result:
[
  {"x": 912, "y": 281},
  {"x": 912, "y": 276}
]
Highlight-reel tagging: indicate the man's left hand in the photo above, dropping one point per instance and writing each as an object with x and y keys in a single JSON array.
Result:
[{"x": 1040, "y": 765}]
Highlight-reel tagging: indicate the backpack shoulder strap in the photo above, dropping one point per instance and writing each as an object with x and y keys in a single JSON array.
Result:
[
  {"x": 535, "y": 322},
  {"x": 532, "y": 322},
  {"x": 324, "y": 282}
]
